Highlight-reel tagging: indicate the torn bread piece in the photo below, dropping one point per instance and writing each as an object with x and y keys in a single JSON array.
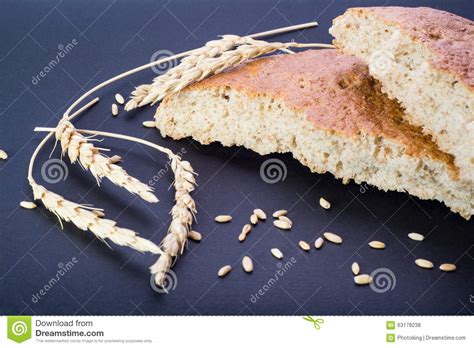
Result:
[
  {"x": 324, "y": 108},
  {"x": 424, "y": 59}
]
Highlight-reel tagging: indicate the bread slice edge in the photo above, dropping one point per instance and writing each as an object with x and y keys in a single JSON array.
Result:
[
  {"x": 266, "y": 125},
  {"x": 435, "y": 99}
]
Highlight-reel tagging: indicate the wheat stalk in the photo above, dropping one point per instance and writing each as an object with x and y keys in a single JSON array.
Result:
[
  {"x": 80, "y": 149},
  {"x": 208, "y": 60},
  {"x": 87, "y": 218}
]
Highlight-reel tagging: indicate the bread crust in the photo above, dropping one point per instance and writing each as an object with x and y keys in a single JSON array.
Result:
[
  {"x": 337, "y": 94},
  {"x": 449, "y": 37}
]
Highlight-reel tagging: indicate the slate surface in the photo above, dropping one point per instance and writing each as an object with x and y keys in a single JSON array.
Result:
[{"x": 113, "y": 36}]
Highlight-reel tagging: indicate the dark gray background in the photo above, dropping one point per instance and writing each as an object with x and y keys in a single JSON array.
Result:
[{"x": 114, "y": 36}]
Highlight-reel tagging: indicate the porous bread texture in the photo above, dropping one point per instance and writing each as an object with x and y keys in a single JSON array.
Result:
[
  {"x": 424, "y": 59},
  {"x": 268, "y": 122}
]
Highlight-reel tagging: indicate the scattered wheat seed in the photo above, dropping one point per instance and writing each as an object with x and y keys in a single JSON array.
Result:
[
  {"x": 303, "y": 245},
  {"x": 447, "y": 267},
  {"x": 282, "y": 224},
  {"x": 194, "y": 235},
  {"x": 253, "y": 219},
  {"x": 115, "y": 159},
  {"x": 260, "y": 214},
  {"x": 224, "y": 271},
  {"x": 114, "y": 109},
  {"x": 416, "y": 236},
  {"x": 424, "y": 263},
  {"x": 242, "y": 237},
  {"x": 279, "y": 213},
  {"x": 247, "y": 264},
  {"x": 318, "y": 243},
  {"x": 355, "y": 268},
  {"x": 362, "y": 279},
  {"x": 3, "y": 155},
  {"x": 149, "y": 124},
  {"x": 27, "y": 205},
  {"x": 284, "y": 218},
  {"x": 246, "y": 229},
  {"x": 223, "y": 218},
  {"x": 375, "y": 244},
  {"x": 324, "y": 203},
  {"x": 277, "y": 253},
  {"x": 119, "y": 99},
  {"x": 332, "y": 237}
]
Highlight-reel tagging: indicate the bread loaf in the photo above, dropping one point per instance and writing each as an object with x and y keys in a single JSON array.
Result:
[
  {"x": 324, "y": 108},
  {"x": 424, "y": 59}
]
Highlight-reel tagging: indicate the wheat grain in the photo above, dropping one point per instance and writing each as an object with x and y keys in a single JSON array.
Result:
[
  {"x": 114, "y": 109},
  {"x": 260, "y": 214},
  {"x": 247, "y": 264},
  {"x": 277, "y": 253},
  {"x": 318, "y": 243},
  {"x": 332, "y": 237},
  {"x": 149, "y": 124},
  {"x": 362, "y": 279},
  {"x": 279, "y": 213},
  {"x": 195, "y": 236},
  {"x": 286, "y": 219},
  {"x": 3, "y": 155},
  {"x": 85, "y": 218},
  {"x": 424, "y": 263},
  {"x": 223, "y": 271},
  {"x": 355, "y": 268},
  {"x": 223, "y": 218},
  {"x": 416, "y": 236},
  {"x": 375, "y": 244},
  {"x": 80, "y": 149},
  {"x": 303, "y": 245},
  {"x": 246, "y": 229},
  {"x": 119, "y": 98},
  {"x": 283, "y": 225},
  {"x": 27, "y": 205},
  {"x": 447, "y": 267},
  {"x": 324, "y": 203},
  {"x": 253, "y": 219}
]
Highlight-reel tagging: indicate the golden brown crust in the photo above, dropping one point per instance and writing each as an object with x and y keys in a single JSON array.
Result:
[
  {"x": 449, "y": 37},
  {"x": 335, "y": 91}
]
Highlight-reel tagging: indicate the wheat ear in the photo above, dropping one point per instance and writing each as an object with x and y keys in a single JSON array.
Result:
[
  {"x": 211, "y": 59},
  {"x": 211, "y": 49},
  {"x": 181, "y": 220},
  {"x": 87, "y": 218},
  {"x": 80, "y": 149},
  {"x": 182, "y": 213}
]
